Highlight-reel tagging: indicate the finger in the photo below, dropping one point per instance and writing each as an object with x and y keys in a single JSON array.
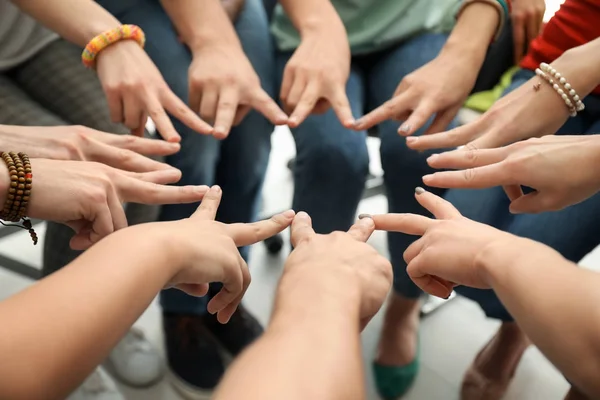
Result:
[
  {"x": 286, "y": 83},
  {"x": 410, "y": 224},
  {"x": 417, "y": 271},
  {"x": 264, "y": 104},
  {"x": 230, "y": 294},
  {"x": 417, "y": 119},
  {"x": 115, "y": 105},
  {"x": 160, "y": 177},
  {"x": 473, "y": 178},
  {"x": 196, "y": 290},
  {"x": 468, "y": 158},
  {"x": 387, "y": 110},
  {"x": 209, "y": 104},
  {"x": 137, "y": 191},
  {"x": 162, "y": 121},
  {"x": 442, "y": 120},
  {"x": 181, "y": 111},
  {"x": 195, "y": 98},
  {"x": 341, "y": 107},
  {"x": 532, "y": 203},
  {"x": 141, "y": 129},
  {"x": 295, "y": 93},
  {"x": 362, "y": 229},
  {"x": 102, "y": 224},
  {"x": 226, "y": 313},
  {"x": 117, "y": 212},
  {"x": 413, "y": 250},
  {"x": 440, "y": 208},
  {"x": 132, "y": 110},
  {"x": 248, "y": 234},
  {"x": 305, "y": 104},
  {"x": 518, "y": 36},
  {"x": 532, "y": 29},
  {"x": 226, "y": 110},
  {"x": 452, "y": 138},
  {"x": 143, "y": 146},
  {"x": 125, "y": 159},
  {"x": 210, "y": 204},
  {"x": 301, "y": 229},
  {"x": 241, "y": 113},
  {"x": 513, "y": 191}
]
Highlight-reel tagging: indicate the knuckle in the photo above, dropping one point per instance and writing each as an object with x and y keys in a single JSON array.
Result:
[{"x": 469, "y": 174}]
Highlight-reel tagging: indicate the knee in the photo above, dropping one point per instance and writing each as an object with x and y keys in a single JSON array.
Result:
[{"x": 344, "y": 160}]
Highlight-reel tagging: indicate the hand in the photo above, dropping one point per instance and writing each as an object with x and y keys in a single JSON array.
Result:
[
  {"x": 448, "y": 253},
  {"x": 507, "y": 121},
  {"x": 344, "y": 261},
  {"x": 78, "y": 143},
  {"x": 561, "y": 169},
  {"x": 224, "y": 88},
  {"x": 315, "y": 77},
  {"x": 135, "y": 89},
  {"x": 211, "y": 252},
  {"x": 88, "y": 196},
  {"x": 527, "y": 23},
  {"x": 418, "y": 96}
]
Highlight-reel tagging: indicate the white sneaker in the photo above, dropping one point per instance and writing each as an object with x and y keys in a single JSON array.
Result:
[
  {"x": 98, "y": 386},
  {"x": 134, "y": 360}
]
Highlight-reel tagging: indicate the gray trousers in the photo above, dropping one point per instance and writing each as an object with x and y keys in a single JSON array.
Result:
[{"x": 54, "y": 88}]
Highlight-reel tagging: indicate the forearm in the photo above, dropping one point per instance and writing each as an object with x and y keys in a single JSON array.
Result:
[
  {"x": 75, "y": 316},
  {"x": 65, "y": 18},
  {"x": 309, "y": 16},
  {"x": 311, "y": 350},
  {"x": 201, "y": 22},
  {"x": 554, "y": 302},
  {"x": 233, "y": 8},
  {"x": 581, "y": 67},
  {"x": 477, "y": 17}
]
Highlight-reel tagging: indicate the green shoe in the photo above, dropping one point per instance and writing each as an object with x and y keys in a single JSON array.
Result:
[{"x": 393, "y": 381}]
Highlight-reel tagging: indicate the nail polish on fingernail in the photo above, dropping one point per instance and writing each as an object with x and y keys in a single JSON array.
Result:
[
  {"x": 419, "y": 190},
  {"x": 363, "y": 216},
  {"x": 288, "y": 213},
  {"x": 404, "y": 128}
]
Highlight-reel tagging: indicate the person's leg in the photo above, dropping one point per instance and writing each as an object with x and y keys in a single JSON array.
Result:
[
  {"x": 403, "y": 169},
  {"x": 332, "y": 162}
]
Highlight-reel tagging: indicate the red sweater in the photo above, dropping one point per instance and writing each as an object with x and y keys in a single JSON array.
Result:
[{"x": 576, "y": 23}]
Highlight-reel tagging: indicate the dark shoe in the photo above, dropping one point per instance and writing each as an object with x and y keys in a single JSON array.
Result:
[
  {"x": 393, "y": 381},
  {"x": 195, "y": 362},
  {"x": 241, "y": 330}
]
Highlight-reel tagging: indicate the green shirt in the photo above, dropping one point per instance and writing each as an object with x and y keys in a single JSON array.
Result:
[{"x": 374, "y": 25}]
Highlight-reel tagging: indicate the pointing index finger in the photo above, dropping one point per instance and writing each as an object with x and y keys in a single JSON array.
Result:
[
  {"x": 363, "y": 228},
  {"x": 210, "y": 204},
  {"x": 248, "y": 234}
]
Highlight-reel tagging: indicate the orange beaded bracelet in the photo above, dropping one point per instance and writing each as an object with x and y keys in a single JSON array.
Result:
[{"x": 102, "y": 41}]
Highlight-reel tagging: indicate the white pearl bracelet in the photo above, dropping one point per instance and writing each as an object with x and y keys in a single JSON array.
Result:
[{"x": 562, "y": 87}]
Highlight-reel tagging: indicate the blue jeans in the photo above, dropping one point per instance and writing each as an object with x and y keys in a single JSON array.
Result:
[
  {"x": 574, "y": 231},
  {"x": 332, "y": 162},
  {"x": 238, "y": 164}
]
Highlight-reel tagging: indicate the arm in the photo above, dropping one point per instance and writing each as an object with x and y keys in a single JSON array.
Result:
[
  {"x": 233, "y": 8},
  {"x": 554, "y": 302},
  {"x": 201, "y": 23},
  {"x": 64, "y": 18},
  {"x": 310, "y": 16},
  {"x": 103, "y": 285},
  {"x": 311, "y": 349}
]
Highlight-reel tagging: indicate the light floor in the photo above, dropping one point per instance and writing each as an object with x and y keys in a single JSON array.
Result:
[{"x": 450, "y": 337}]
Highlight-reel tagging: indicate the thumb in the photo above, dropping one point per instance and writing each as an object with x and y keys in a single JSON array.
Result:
[{"x": 301, "y": 229}]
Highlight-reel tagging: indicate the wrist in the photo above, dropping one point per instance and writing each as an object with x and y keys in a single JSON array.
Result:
[
  {"x": 580, "y": 67},
  {"x": 324, "y": 25},
  {"x": 475, "y": 17}
]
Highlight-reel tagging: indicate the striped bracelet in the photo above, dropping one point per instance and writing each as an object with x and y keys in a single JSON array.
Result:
[{"x": 105, "y": 39}]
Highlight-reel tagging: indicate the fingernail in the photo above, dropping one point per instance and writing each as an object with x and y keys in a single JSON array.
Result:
[
  {"x": 405, "y": 128},
  {"x": 432, "y": 157},
  {"x": 302, "y": 214},
  {"x": 202, "y": 189},
  {"x": 362, "y": 216},
  {"x": 289, "y": 213},
  {"x": 216, "y": 189},
  {"x": 411, "y": 139},
  {"x": 368, "y": 222},
  {"x": 293, "y": 120},
  {"x": 220, "y": 130},
  {"x": 427, "y": 177},
  {"x": 419, "y": 190}
]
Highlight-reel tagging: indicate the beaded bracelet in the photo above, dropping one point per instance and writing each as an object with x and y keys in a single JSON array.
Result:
[
  {"x": 501, "y": 6},
  {"x": 566, "y": 85},
  {"x": 19, "y": 191},
  {"x": 102, "y": 41}
]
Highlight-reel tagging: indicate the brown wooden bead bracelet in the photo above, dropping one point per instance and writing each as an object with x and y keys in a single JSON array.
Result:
[{"x": 19, "y": 191}]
